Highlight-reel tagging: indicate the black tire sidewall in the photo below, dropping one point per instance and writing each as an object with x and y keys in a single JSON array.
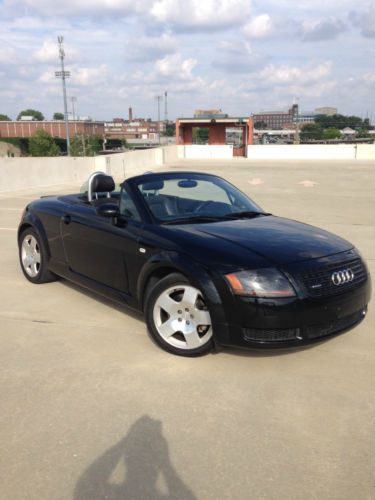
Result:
[
  {"x": 44, "y": 275},
  {"x": 152, "y": 295}
]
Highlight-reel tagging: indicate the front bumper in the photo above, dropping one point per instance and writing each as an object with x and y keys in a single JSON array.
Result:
[{"x": 290, "y": 322}]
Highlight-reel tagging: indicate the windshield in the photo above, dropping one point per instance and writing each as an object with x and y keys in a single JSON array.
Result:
[{"x": 188, "y": 198}]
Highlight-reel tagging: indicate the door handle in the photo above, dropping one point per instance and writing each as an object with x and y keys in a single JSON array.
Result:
[{"x": 66, "y": 219}]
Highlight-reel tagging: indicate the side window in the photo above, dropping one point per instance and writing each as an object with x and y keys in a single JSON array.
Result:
[{"x": 127, "y": 207}]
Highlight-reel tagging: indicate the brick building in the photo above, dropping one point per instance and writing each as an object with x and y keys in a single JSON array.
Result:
[
  {"x": 220, "y": 131},
  {"x": 278, "y": 119},
  {"x": 133, "y": 129},
  {"x": 54, "y": 128}
]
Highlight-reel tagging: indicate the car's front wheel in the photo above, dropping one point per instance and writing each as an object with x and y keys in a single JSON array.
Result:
[
  {"x": 178, "y": 318},
  {"x": 34, "y": 257}
]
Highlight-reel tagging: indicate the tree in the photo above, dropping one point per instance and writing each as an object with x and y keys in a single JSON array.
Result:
[
  {"x": 338, "y": 121},
  {"x": 37, "y": 115},
  {"x": 170, "y": 129},
  {"x": 84, "y": 145},
  {"x": 200, "y": 135},
  {"x": 311, "y": 131},
  {"x": 42, "y": 144},
  {"x": 58, "y": 116},
  {"x": 331, "y": 133},
  {"x": 4, "y": 118}
]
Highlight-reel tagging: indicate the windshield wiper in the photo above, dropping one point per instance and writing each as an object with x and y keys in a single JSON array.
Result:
[
  {"x": 196, "y": 218},
  {"x": 246, "y": 214}
]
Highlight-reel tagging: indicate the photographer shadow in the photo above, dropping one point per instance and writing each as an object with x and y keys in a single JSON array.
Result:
[{"x": 136, "y": 468}]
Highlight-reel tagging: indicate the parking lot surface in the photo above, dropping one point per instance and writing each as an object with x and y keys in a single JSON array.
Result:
[{"x": 92, "y": 409}]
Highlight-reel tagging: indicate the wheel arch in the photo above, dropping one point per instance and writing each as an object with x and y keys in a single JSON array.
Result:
[
  {"x": 30, "y": 221},
  {"x": 161, "y": 265}
]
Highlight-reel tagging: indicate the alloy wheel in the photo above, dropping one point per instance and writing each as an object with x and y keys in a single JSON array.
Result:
[{"x": 181, "y": 317}]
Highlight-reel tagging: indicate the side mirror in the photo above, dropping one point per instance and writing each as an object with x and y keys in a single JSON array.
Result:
[{"x": 108, "y": 210}]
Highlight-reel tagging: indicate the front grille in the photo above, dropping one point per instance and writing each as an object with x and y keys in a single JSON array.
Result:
[
  {"x": 318, "y": 283},
  {"x": 308, "y": 332},
  {"x": 315, "y": 331},
  {"x": 276, "y": 335}
]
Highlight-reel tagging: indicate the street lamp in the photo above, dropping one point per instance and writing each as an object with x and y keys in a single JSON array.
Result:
[
  {"x": 63, "y": 75},
  {"x": 159, "y": 98}
]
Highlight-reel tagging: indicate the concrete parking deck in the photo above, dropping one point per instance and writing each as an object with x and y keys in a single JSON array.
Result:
[{"x": 92, "y": 409}]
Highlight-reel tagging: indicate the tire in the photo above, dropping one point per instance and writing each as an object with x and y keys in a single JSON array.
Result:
[
  {"x": 177, "y": 317},
  {"x": 33, "y": 257}
]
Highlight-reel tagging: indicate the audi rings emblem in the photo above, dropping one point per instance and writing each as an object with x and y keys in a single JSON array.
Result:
[{"x": 342, "y": 277}]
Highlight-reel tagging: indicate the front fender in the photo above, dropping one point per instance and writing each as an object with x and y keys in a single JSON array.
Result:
[
  {"x": 30, "y": 219},
  {"x": 198, "y": 276}
]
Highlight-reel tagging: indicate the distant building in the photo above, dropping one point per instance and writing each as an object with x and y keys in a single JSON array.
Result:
[
  {"x": 326, "y": 110},
  {"x": 278, "y": 119},
  {"x": 54, "y": 128},
  {"x": 135, "y": 129}
]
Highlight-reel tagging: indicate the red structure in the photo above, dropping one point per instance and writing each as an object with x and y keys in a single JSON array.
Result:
[{"x": 217, "y": 131}]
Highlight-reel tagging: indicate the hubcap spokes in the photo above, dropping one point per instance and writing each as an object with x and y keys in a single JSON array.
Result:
[
  {"x": 181, "y": 317},
  {"x": 30, "y": 256}
]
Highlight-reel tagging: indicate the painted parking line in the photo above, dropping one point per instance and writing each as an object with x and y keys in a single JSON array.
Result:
[
  {"x": 308, "y": 183},
  {"x": 8, "y": 229}
]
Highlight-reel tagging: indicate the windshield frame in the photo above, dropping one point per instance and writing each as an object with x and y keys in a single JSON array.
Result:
[{"x": 135, "y": 182}]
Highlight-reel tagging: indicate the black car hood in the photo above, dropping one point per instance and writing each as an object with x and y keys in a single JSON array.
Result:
[{"x": 279, "y": 240}]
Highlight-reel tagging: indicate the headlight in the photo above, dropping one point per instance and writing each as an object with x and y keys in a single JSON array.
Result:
[{"x": 268, "y": 282}]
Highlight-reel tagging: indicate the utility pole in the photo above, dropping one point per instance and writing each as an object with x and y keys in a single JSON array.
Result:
[
  {"x": 74, "y": 100},
  {"x": 159, "y": 98},
  {"x": 63, "y": 75},
  {"x": 165, "y": 107}
]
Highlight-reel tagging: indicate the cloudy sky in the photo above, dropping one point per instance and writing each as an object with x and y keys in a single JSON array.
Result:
[{"x": 242, "y": 56}]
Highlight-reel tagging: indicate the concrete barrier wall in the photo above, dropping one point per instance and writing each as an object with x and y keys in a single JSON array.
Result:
[
  {"x": 302, "y": 152},
  {"x": 24, "y": 173},
  {"x": 206, "y": 152},
  {"x": 173, "y": 153},
  {"x": 131, "y": 163},
  {"x": 365, "y": 152}
]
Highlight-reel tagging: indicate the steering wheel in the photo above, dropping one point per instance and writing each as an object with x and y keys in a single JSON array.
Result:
[{"x": 204, "y": 204}]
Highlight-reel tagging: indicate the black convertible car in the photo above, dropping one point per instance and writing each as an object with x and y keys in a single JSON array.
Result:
[{"x": 203, "y": 262}]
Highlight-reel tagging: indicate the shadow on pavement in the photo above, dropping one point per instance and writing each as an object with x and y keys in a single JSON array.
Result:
[{"x": 136, "y": 468}]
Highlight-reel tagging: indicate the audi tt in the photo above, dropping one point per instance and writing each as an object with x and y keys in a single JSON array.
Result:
[{"x": 205, "y": 264}]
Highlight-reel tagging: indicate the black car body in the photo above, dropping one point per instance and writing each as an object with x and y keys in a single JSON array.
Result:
[{"x": 92, "y": 240}]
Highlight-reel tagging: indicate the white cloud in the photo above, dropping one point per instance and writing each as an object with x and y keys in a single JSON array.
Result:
[
  {"x": 260, "y": 27},
  {"x": 174, "y": 65},
  {"x": 322, "y": 29},
  {"x": 150, "y": 48},
  {"x": 92, "y": 8},
  {"x": 89, "y": 76},
  {"x": 201, "y": 14},
  {"x": 286, "y": 75},
  {"x": 48, "y": 52},
  {"x": 238, "y": 56},
  {"x": 367, "y": 22},
  {"x": 7, "y": 55}
]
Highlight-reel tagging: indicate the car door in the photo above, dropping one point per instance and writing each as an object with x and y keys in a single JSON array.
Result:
[{"x": 99, "y": 249}]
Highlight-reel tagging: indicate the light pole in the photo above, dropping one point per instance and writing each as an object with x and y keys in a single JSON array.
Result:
[
  {"x": 159, "y": 98},
  {"x": 74, "y": 100},
  {"x": 63, "y": 75}
]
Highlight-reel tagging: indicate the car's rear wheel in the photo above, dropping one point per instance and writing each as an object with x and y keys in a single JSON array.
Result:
[
  {"x": 178, "y": 318},
  {"x": 34, "y": 257}
]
